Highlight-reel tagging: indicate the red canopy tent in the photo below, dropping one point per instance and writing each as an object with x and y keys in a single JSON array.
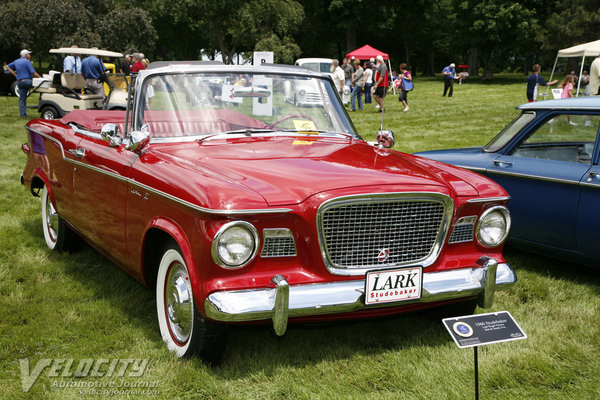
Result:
[{"x": 367, "y": 52}]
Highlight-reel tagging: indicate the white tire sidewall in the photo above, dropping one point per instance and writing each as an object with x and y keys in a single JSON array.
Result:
[
  {"x": 169, "y": 257},
  {"x": 49, "y": 241}
]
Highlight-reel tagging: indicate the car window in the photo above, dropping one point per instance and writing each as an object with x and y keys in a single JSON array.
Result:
[
  {"x": 312, "y": 66},
  {"x": 569, "y": 138},
  {"x": 196, "y": 104},
  {"x": 325, "y": 67},
  {"x": 509, "y": 132}
]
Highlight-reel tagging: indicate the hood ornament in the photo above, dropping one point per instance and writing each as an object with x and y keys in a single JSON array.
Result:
[{"x": 383, "y": 255}]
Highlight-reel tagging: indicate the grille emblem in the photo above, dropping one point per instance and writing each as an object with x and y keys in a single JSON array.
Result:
[{"x": 383, "y": 255}]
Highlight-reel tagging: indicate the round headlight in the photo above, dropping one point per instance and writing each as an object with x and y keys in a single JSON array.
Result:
[
  {"x": 493, "y": 226},
  {"x": 235, "y": 244}
]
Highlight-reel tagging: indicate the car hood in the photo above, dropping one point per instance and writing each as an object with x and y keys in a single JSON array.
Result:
[{"x": 287, "y": 170}]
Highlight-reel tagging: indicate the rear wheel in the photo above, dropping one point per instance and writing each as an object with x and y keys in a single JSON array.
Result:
[
  {"x": 49, "y": 112},
  {"x": 14, "y": 89},
  {"x": 57, "y": 233},
  {"x": 185, "y": 331}
]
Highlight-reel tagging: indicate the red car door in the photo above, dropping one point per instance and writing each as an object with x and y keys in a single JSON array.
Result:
[{"x": 100, "y": 192}]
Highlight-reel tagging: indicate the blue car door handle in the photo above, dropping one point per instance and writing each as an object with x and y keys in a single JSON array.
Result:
[{"x": 502, "y": 164}]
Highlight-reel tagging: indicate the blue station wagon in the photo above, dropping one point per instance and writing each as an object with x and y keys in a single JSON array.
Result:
[{"x": 547, "y": 159}]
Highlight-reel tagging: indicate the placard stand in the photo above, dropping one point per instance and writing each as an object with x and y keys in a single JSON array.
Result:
[
  {"x": 477, "y": 330},
  {"x": 476, "y": 373}
]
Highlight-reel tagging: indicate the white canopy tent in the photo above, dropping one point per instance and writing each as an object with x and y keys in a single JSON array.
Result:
[{"x": 591, "y": 49}]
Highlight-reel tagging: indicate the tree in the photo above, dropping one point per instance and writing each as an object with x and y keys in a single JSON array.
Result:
[
  {"x": 579, "y": 22},
  {"x": 47, "y": 26},
  {"x": 135, "y": 31},
  {"x": 62, "y": 23},
  {"x": 498, "y": 29}
]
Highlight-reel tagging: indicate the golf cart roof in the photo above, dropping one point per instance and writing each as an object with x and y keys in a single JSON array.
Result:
[{"x": 83, "y": 50}]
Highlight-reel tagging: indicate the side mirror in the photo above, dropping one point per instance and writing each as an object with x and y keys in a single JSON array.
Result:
[
  {"x": 138, "y": 140},
  {"x": 112, "y": 134},
  {"x": 386, "y": 139}
]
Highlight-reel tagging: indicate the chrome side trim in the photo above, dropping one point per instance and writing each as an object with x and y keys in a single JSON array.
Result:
[
  {"x": 159, "y": 192},
  {"x": 445, "y": 200},
  {"x": 590, "y": 185},
  {"x": 489, "y": 199},
  {"x": 341, "y": 297},
  {"x": 209, "y": 210},
  {"x": 113, "y": 175},
  {"x": 536, "y": 177},
  {"x": 470, "y": 168}
]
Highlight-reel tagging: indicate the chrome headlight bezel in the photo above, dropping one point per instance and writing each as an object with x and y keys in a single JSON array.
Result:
[
  {"x": 486, "y": 214},
  {"x": 254, "y": 239}
]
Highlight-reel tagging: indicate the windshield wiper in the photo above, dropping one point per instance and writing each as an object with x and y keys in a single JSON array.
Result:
[
  {"x": 246, "y": 131},
  {"x": 309, "y": 131}
]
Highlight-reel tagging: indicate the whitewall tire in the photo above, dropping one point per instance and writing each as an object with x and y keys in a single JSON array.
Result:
[{"x": 182, "y": 327}]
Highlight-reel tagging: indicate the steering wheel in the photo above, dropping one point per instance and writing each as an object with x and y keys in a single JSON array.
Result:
[{"x": 280, "y": 120}]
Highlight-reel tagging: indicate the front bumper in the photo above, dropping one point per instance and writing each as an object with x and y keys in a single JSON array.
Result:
[{"x": 285, "y": 301}]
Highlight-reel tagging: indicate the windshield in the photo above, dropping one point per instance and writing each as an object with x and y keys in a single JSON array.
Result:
[
  {"x": 509, "y": 132},
  {"x": 200, "y": 104}
]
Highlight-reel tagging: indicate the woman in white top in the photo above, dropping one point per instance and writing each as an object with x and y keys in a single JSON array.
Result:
[{"x": 368, "y": 81}]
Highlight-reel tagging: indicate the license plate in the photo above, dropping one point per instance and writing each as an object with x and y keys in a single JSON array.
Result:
[{"x": 393, "y": 285}]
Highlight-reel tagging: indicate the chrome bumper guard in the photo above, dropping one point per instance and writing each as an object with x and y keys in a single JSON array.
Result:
[{"x": 285, "y": 301}]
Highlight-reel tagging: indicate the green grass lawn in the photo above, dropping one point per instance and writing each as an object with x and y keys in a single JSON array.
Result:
[{"x": 80, "y": 306}]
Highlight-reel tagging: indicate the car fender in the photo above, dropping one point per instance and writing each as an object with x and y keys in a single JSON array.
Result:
[
  {"x": 175, "y": 231},
  {"x": 41, "y": 174}
]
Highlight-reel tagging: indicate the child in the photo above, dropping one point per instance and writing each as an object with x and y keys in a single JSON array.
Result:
[{"x": 567, "y": 91}]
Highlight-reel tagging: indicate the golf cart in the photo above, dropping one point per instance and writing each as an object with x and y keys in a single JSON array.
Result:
[{"x": 64, "y": 92}]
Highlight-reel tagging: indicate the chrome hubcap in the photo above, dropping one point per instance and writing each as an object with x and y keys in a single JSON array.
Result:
[
  {"x": 51, "y": 219},
  {"x": 178, "y": 303}
]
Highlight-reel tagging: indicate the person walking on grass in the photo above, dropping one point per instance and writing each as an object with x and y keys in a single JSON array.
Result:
[
  {"x": 404, "y": 76},
  {"x": 23, "y": 70},
  {"x": 381, "y": 83},
  {"x": 368, "y": 81},
  {"x": 567, "y": 91},
  {"x": 358, "y": 82},
  {"x": 449, "y": 74},
  {"x": 534, "y": 81}
]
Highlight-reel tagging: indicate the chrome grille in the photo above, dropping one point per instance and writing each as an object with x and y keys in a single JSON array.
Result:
[
  {"x": 463, "y": 230},
  {"x": 313, "y": 97},
  {"x": 463, "y": 233},
  {"x": 358, "y": 234},
  {"x": 278, "y": 243}
]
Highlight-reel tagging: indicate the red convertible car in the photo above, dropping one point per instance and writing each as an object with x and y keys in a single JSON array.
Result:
[{"x": 238, "y": 206}]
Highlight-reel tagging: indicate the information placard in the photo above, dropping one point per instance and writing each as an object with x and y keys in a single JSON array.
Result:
[{"x": 481, "y": 329}]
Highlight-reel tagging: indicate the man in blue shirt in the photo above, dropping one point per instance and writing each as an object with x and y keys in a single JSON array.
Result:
[
  {"x": 72, "y": 63},
  {"x": 449, "y": 74},
  {"x": 533, "y": 82},
  {"x": 23, "y": 70},
  {"x": 93, "y": 70}
]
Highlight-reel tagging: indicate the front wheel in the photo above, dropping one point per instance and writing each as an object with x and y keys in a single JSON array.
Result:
[{"x": 182, "y": 327}]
